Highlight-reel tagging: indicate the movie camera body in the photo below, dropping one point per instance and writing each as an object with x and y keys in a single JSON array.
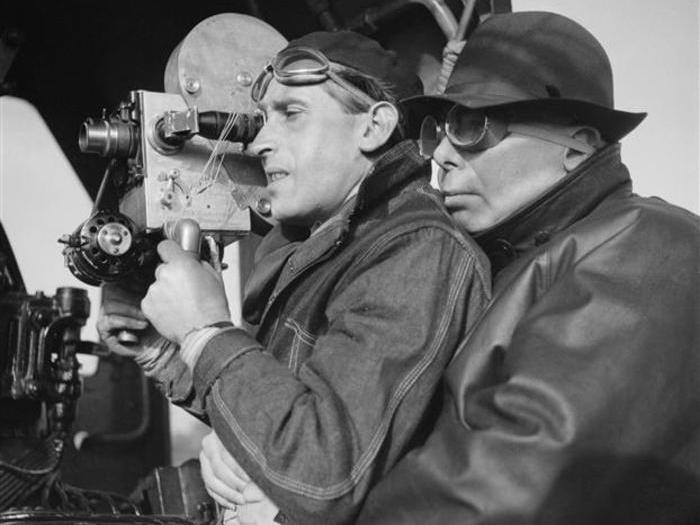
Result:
[{"x": 168, "y": 163}]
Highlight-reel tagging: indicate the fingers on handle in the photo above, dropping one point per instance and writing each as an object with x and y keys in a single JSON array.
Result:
[
  {"x": 223, "y": 493},
  {"x": 214, "y": 255},
  {"x": 109, "y": 323},
  {"x": 170, "y": 250}
]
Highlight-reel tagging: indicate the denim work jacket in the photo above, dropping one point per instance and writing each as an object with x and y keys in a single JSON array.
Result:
[
  {"x": 355, "y": 325},
  {"x": 574, "y": 400}
]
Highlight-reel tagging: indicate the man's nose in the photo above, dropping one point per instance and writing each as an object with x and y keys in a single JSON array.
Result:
[
  {"x": 264, "y": 142},
  {"x": 446, "y": 156}
]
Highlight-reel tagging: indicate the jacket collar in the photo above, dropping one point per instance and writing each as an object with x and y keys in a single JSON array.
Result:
[
  {"x": 392, "y": 171},
  {"x": 294, "y": 247},
  {"x": 567, "y": 202}
]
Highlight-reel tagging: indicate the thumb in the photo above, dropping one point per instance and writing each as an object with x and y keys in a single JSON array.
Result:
[{"x": 171, "y": 251}]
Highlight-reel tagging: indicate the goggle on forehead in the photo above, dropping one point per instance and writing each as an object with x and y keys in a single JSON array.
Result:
[
  {"x": 300, "y": 66},
  {"x": 473, "y": 130}
]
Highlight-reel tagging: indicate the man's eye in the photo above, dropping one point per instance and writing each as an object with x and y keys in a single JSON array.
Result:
[{"x": 291, "y": 111}]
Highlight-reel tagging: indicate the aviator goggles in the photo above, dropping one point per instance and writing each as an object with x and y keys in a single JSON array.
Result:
[
  {"x": 300, "y": 66},
  {"x": 473, "y": 130}
]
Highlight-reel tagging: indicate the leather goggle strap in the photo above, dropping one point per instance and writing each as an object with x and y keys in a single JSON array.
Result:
[{"x": 551, "y": 136}]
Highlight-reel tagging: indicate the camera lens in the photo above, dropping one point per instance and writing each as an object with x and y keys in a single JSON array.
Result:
[{"x": 108, "y": 138}]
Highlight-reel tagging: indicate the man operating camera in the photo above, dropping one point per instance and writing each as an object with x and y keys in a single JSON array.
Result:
[{"x": 360, "y": 294}]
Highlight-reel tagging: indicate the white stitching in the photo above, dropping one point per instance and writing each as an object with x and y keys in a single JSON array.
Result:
[{"x": 366, "y": 458}]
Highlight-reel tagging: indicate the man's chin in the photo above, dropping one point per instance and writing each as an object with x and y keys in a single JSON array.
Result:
[
  {"x": 284, "y": 215},
  {"x": 469, "y": 221}
]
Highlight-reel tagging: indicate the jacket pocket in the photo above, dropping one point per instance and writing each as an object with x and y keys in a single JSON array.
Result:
[{"x": 302, "y": 345}]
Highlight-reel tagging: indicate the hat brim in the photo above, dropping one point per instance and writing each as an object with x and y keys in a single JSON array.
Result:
[{"x": 613, "y": 124}]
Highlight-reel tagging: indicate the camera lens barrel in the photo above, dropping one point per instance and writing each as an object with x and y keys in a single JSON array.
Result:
[
  {"x": 108, "y": 138},
  {"x": 242, "y": 127}
]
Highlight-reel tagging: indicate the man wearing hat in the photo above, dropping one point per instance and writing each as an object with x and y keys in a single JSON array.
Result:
[
  {"x": 356, "y": 313},
  {"x": 575, "y": 398}
]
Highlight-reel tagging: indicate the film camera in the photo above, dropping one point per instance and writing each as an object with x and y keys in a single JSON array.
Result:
[
  {"x": 178, "y": 155},
  {"x": 166, "y": 178}
]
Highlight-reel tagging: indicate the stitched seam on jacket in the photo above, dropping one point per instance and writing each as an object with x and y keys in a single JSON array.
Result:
[
  {"x": 366, "y": 458},
  {"x": 300, "y": 331},
  {"x": 413, "y": 375},
  {"x": 293, "y": 353},
  {"x": 406, "y": 229},
  {"x": 301, "y": 336}
]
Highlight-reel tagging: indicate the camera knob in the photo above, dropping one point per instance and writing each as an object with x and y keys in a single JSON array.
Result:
[{"x": 114, "y": 238}]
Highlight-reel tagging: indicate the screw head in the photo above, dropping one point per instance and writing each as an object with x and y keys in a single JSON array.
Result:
[
  {"x": 263, "y": 206},
  {"x": 192, "y": 85},
  {"x": 244, "y": 78}
]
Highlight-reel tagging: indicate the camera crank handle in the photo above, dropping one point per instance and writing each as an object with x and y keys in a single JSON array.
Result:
[{"x": 185, "y": 232}]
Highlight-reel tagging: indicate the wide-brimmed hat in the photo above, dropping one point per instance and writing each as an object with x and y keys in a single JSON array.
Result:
[{"x": 530, "y": 62}]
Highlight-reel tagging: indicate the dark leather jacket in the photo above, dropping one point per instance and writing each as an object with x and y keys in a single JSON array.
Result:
[
  {"x": 575, "y": 399},
  {"x": 356, "y": 324}
]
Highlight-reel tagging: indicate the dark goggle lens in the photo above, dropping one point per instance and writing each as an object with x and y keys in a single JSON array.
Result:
[{"x": 465, "y": 127}]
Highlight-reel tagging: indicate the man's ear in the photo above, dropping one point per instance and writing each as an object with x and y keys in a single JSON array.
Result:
[
  {"x": 586, "y": 135},
  {"x": 382, "y": 119}
]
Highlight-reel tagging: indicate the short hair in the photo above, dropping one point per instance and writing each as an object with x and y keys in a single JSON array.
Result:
[{"x": 372, "y": 86}]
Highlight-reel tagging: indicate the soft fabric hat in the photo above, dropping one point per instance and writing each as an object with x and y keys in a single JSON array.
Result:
[
  {"x": 366, "y": 56},
  {"x": 526, "y": 62}
]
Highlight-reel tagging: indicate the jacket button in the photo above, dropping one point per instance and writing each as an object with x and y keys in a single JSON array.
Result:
[
  {"x": 541, "y": 237},
  {"x": 505, "y": 249}
]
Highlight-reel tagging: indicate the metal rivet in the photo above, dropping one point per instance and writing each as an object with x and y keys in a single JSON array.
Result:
[
  {"x": 263, "y": 206},
  {"x": 192, "y": 85},
  {"x": 244, "y": 78},
  {"x": 541, "y": 237}
]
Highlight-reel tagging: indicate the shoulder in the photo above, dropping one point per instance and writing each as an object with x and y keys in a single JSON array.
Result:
[
  {"x": 631, "y": 241},
  {"x": 632, "y": 225},
  {"x": 415, "y": 232},
  {"x": 662, "y": 218},
  {"x": 418, "y": 212}
]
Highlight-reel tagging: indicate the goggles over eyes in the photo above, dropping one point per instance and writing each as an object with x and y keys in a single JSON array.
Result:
[
  {"x": 300, "y": 66},
  {"x": 472, "y": 130}
]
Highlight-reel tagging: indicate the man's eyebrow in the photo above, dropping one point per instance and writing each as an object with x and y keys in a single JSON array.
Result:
[{"x": 282, "y": 103}]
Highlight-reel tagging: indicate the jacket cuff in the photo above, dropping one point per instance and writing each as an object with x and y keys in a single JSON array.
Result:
[
  {"x": 196, "y": 340},
  {"x": 220, "y": 350},
  {"x": 155, "y": 354}
]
